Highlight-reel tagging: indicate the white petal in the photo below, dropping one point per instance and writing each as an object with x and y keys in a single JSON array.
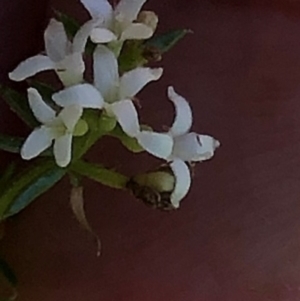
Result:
[
  {"x": 127, "y": 116},
  {"x": 106, "y": 74},
  {"x": 182, "y": 181},
  {"x": 71, "y": 69},
  {"x": 31, "y": 66},
  {"x": 157, "y": 144},
  {"x": 70, "y": 116},
  {"x": 38, "y": 141},
  {"x": 137, "y": 31},
  {"x": 82, "y": 35},
  {"x": 63, "y": 150},
  {"x": 56, "y": 40},
  {"x": 193, "y": 147},
  {"x": 102, "y": 35},
  {"x": 133, "y": 81},
  {"x": 85, "y": 95},
  {"x": 183, "y": 119},
  {"x": 129, "y": 8},
  {"x": 42, "y": 112},
  {"x": 98, "y": 8}
]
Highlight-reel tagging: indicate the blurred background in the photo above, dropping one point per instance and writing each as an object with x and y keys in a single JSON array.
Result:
[{"x": 236, "y": 235}]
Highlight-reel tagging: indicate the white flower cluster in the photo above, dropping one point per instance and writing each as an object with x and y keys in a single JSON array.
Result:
[{"x": 110, "y": 91}]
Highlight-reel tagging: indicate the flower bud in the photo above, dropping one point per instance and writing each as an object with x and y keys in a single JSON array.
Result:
[
  {"x": 163, "y": 188},
  {"x": 107, "y": 123},
  {"x": 148, "y": 18},
  {"x": 81, "y": 128}
]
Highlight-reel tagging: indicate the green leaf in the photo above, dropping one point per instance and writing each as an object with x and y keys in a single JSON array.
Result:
[
  {"x": 70, "y": 24},
  {"x": 131, "y": 56},
  {"x": 166, "y": 41},
  {"x": 7, "y": 175},
  {"x": 8, "y": 273},
  {"x": 100, "y": 174},
  {"x": 29, "y": 185},
  {"x": 19, "y": 104},
  {"x": 10, "y": 144}
]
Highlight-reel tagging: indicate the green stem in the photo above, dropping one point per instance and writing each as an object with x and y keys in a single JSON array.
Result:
[
  {"x": 100, "y": 174},
  {"x": 116, "y": 47},
  {"x": 98, "y": 127}
]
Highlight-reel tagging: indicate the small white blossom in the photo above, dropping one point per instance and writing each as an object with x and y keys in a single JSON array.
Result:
[
  {"x": 59, "y": 128},
  {"x": 121, "y": 23},
  {"x": 117, "y": 91},
  {"x": 61, "y": 55},
  {"x": 187, "y": 146},
  {"x": 179, "y": 145},
  {"x": 111, "y": 92}
]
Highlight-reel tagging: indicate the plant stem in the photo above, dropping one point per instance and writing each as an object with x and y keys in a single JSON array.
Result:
[{"x": 100, "y": 174}]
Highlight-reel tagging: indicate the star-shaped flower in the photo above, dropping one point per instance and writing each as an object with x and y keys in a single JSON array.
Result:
[
  {"x": 61, "y": 55},
  {"x": 117, "y": 92},
  {"x": 121, "y": 23},
  {"x": 60, "y": 127},
  {"x": 178, "y": 146},
  {"x": 186, "y": 146}
]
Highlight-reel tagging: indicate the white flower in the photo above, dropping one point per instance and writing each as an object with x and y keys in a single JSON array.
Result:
[
  {"x": 118, "y": 91},
  {"x": 179, "y": 146},
  {"x": 61, "y": 55},
  {"x": 121, "y": 23},
  {"x": 58, "y": 128},
  {"x": 187, "y": 146}
]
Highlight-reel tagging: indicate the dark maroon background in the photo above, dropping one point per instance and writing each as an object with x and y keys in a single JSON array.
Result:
[{"x": 237, "y": 234}]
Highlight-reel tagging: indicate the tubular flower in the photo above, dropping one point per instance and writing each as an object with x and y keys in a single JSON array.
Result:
[
  {"x": 122, "y": 23},
  {"x": 186, "y": 146},
  {"x": 59, "y": 128},
  {"x": 110, "y": 91},
  {"x": 118, "y": 91},
  {"x": 61, "y": 55}
]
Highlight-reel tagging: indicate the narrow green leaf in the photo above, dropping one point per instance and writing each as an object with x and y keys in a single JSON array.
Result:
[
  {"x": 10, "y": 144},
  {"x": 100, "y": 174},
  {"x": 19, "y": 104},
  {"x": 131, "y": 56},
  {"x": 27, "y": 186},
  {"x": 6, "y": 176},
  {"x": 70, "y": 24},
  {"x": 166, "y": 41},
  {"x": 8, "y": 273}
]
